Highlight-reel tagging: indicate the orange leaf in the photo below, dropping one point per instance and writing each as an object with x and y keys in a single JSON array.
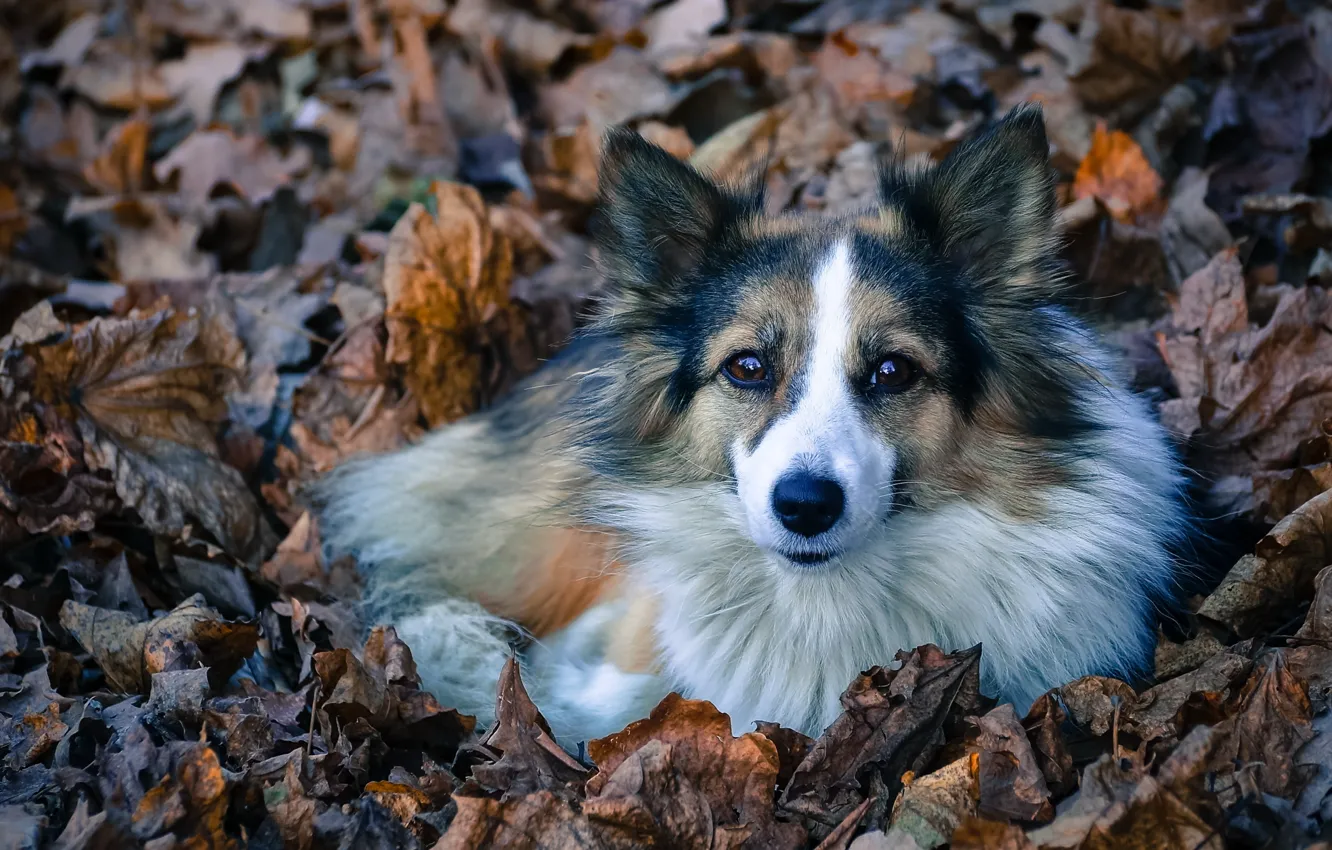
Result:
[{"x": 1116, "y": 173}]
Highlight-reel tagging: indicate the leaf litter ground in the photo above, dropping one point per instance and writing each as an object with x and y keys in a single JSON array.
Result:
[{"x": 243, "y": 241}]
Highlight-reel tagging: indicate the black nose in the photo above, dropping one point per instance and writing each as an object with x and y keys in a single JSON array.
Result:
[{"x": 807, "y": 505}]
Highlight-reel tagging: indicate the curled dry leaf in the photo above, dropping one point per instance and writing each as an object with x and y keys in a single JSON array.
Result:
[
  {"x": 147, "y": 395},
  {"x": 530, "y": 759},
  {"x": 888, "y": 726},
  {"x": 680, "y": 772},
  {"x": 130, "y": 652},
  {"x": 1011, "y": 784},
  {"x": 1116, "y": 805},
  {"x": 1250, "y": 395},
  {"x": 446, "y": 280},
  {"x": 1262, "y": 586}
]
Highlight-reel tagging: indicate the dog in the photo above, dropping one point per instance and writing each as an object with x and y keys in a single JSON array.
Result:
[{"x": 786, "y": 447}]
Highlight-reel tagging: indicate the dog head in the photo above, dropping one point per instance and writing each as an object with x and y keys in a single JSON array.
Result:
[{"x": 817, "y": 376}]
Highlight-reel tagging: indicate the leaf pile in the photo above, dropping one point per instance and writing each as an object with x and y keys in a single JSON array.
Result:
[{"x": 242, "y": 241}]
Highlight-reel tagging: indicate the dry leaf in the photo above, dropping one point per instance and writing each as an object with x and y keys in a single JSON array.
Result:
[
  {"x": 446, "y": 280},
  {"x": 118, "y": 168},
  {"x": 887, "y": 727},
  {"x": 680, "y": 773},
  {"x": 130, "y": 652},
  {"x": 530, "y": 759},
  {"x": 1116, "y": 173},
  {"x": 1011, "y": 784},
  {"x": 1281, "y": 571},
  {"x": 244, "y": 163}
]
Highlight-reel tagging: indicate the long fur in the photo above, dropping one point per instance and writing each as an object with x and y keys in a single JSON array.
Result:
[{"x": 1033, "y": 506}]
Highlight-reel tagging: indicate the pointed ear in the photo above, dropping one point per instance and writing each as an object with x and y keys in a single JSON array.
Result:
[
  {"x": 990, "y": 205},
  {"x": 657, "y": 216}
]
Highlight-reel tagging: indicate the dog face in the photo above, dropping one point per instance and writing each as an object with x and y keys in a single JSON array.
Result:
[{"x": 822, "y": 376}]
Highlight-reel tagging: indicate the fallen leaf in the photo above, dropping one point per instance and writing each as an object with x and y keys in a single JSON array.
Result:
[
  {"x": 618, "y": 89},
  {"x": 150, "y": 238},
  {"x": 1116, "y": 173},
  {"x": 679, "y": 772},
  {"x": 536, "y": 820},
  {"x": 1191, "y": 232},
  {"x": 196, "y": 78},
  {"x": 1011, "y": 784},
  {"x": 146, "y": 395},
  {"x": 1251, "y": 395},
  {"x": 976, "y": 834},
  {"x": 33, "y": 736},
  {"x": 933, "y": 806},
  {"x": 1281, "y": 570},
  {"x": 130, "y": 652},
  {"x": 887, "y": 726},
  {"x": 1132, "y": 56},
  {"x": 1092, "y": 701},
  {"x": 1114, "y": 805},
  {"x": 446, "y": 281},
  {"x": 110, "y": 76},
  {"x": 530, "y": 759},
  {"x": 247, "y": 164}
]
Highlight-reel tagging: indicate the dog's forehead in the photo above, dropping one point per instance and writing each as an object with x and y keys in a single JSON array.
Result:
[{"x": 778, "y": 266}]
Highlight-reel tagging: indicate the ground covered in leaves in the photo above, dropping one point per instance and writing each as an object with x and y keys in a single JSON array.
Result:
[{"x": 243, "y": 240}]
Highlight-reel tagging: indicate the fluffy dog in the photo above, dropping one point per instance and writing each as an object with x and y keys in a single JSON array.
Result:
[{"x": 787, "y": 447}]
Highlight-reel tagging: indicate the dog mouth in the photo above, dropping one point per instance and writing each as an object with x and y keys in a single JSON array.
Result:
[{"x": 808, "y": 559}]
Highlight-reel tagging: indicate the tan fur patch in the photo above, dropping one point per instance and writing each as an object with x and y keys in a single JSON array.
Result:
[
  {"x": 633, "y": 641},
  {"x": 577, "y": 573}
]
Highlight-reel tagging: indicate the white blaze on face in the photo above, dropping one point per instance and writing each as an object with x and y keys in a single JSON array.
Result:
[{"x": 824, "y": 434}]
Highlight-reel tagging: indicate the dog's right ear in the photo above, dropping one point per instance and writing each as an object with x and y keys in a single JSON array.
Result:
[{"x": 657, "y": 217}]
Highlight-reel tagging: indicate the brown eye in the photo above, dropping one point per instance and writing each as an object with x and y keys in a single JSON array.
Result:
[
  {"x": 894, "y": 374},
  {"x": 745, "y": 369}
]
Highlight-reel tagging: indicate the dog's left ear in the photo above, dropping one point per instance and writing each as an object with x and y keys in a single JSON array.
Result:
[
  {"x": 990, "y": 205},
  {"x": 657, "y": 217}
]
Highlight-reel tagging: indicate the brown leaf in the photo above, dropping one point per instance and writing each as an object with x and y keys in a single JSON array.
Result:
[
  {"x": 1116, "y": 173},
  {"x": 1043, "y": 723},
  {"x": 1091, "y": 701},
  {"x": 1318, "y": 624},
  {"x": 112, "y": 77},
  {"x": 976, "y": 834},
  {"x": 150, "y": 238},
  {"x": 1191, "y": 232},
  {"x": 1011, "y": 784},
  {"x": 247, "y": 164},
  {"x": 539, "y": 820},
  {"x": 1156, "y": 713},
  {"x": 933, "y": 806},
  {"x": 679, "y": 772},
  {"x": 1132, "y": 56},
  {"x": 1121, "y": 808},
  {"x": 1273, "y": 722},
  {"x": 196, "y": 78},
  {"x": 1280, "y": 572},
  {"x": 530, "y": 760},
  {"x": 1252, "y": 394},
  {"x": 446, "y": 279},
  {"x": 888, "y": 722},
  {"x": 34, "y": 736},
  {"x": 118, "y": 167},
  {"x": 147, "y": 396},
  {"x": 620, "y": 88},
  {"x": 130, "y": 652}
]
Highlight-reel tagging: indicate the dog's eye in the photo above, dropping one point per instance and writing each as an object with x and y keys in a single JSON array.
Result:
[
  {"x": 745, "y": 369},
  {"x": 894, "y": 374}
]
